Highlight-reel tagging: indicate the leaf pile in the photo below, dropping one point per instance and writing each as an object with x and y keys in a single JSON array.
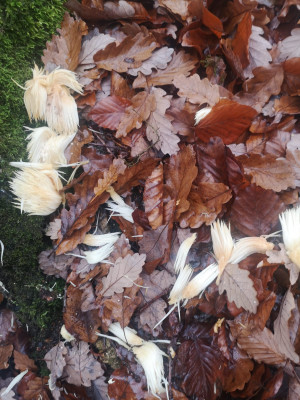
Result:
[{"x": 147, "y": 67}]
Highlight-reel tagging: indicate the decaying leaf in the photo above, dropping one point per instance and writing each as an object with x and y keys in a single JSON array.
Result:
[
  {"x": 239, "y": 287},
  {"x": 123, "y": 274}
]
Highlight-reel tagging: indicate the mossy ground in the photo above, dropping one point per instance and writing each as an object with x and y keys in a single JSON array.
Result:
[{"x": 25, "y": 26}]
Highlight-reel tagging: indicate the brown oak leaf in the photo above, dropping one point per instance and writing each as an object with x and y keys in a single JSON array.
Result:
[
  {"x": 239, "y": 287},
  {"x": 122, "y": 274},
  {"x": 130, "y": 53},
  {"x": 196, "y": 90},
  {"x": 181, "y": 63},
  {"x": 63, "y": 50},
  {"x": 108, "y": 112}
]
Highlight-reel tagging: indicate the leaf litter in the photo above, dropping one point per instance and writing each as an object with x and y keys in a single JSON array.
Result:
[{"x": 146, "y": 69}]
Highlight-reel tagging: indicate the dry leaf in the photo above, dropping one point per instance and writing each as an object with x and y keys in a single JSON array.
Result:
[
  {"x": 269, "y": 172},
  {"x": 108, "y": 112},
  {"x": 227, "y": 119},
  {"x": 5, "y": 353},
  {"x": 179, "y": 7},
  {"x": 153, "y": 197},
  {"x": 122, "y": 274},
  {"x": 159, "y": 128},
  {"x": 196, "y": 90},
  {"x": 280, "y": 257},
  {"x": 239, "y": 287},
  {"x": 289, "y": 47},
  {"x": 180, "y": 173},
  {"x": 142, "y": 105},
  {"x": 181, "y": 63},
  {"x": 158, "y": 60},
  {"x": 93, "y": 43},
  {"x": 23, "y": 362},
  {"x": 281, "y": 327},
  {"x": 258, "y": 51},
  {"x": 63, "y": 50},
  {"x": 130, "y": 53}
]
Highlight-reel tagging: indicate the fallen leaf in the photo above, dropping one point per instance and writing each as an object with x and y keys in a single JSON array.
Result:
[
  {"x": 37, "y": 388},
  {"x": 159, "y": 128},
  {"x": 181, "y": 63},
  {"x": 156, "y": 245},
  {"x": 196, "y": 90},
  {"x": 280, "y": 257},
  {"x": 227, "y": 119},
  {"x": 289, "y": 48},
  {"x": 198, "y": 364},
  {"x": 82, "y": 325},
  {"x": 281, "y": 327},
  {"x": 122, "y": 274},
  {"x": 23, "y": 362},
  {"x": 180, "y": 172},
  {"x": 5, "y": 354},
  {"x": 291, "y": 76},
  {"x": 239, "y": 287},
  {"x": 158, "y": 60},
  {"x": 269, "y": 172},
  {"x": 258, "y": 51},
  {"x": 179, "y": 7},
  {"x": 153, "y": 197},
  {"x": 51, "y": 264},
  {"x": 108, "y": 112},
  {"x": 63, "y": 50},
  {"x": 81, "y": 367},
  {"x": 257, "y": 91},
  {"x": 92, "y": 43},
  {"x": 206, "y": 202},
  {"x": 130, "y": 53},
  {"x": 142, "y": 105},
  {"x": 287, "y": 105},
  {"x": 255, "y": 210},
  {"x": 240, "y": 43}
]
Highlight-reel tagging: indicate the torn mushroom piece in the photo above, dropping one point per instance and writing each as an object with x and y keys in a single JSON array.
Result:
[
  {"x": 290, "y": 223},
  {"x": 45, "y": 146},
  {"x": 226, "y": 251},
  {"x": 37, "y": 188},
  {"x": 118, "y": 207},
  {"x": 47, "y": 97},
  {"x": 147, "y": 353}
]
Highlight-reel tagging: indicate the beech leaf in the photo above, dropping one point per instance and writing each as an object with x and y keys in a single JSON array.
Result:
[
  {"x": 92, "y": 43},
  {"x": 289, "y": 46},
  {"x": 227, "y": 119},
  {"x": 158, "y": 60},
  {"x": 123, "y": 274},
  {"x": 239, "y": 287}
]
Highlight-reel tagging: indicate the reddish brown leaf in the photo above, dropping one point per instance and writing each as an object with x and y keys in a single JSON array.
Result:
[
  {"x": 206, "y": 202},
  {"x": 108, "y": 112},
  {"x": 128, "y": 54},
  {"x": 74, "y": 149},
  {"x": 255, "y": 210},
  {"x": 5, "y": 353},
  {"x": 37, "y": 388},
  {"x": 240, "y": 43},
  {"x": 153, "y": 197},
  {"x": 80, "y": 324},
  {"x": 23, "y": 362},
  {"x": 156, "y": 245},
  {"x": 64, "y": 50},
  {"x": 291, "y": 76},
  {"x": 287, "y": 105},
  {"x": 135, "y": 175},
  {"x": 269, "y": 172},
  {"x": 124, "y": 386},
  {"x": 227, "y": 119},
  {"x": 180, "y": 172},
  {"x": 198, "y": 364},
  {"x": 142, "y": 105}
]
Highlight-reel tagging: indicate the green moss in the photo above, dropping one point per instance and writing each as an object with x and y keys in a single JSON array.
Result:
[{"x": 25, "y": 26}]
